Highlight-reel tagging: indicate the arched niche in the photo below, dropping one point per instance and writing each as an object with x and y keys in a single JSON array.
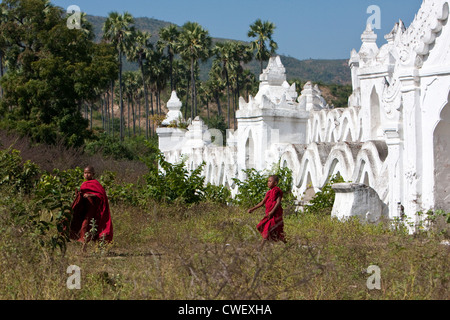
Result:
[
  {"x": 375, "y": 119},
  {"x": 441, "y": 143},
  {"x": 250, "y": 152},
  {"x": 310, "y": 192}
]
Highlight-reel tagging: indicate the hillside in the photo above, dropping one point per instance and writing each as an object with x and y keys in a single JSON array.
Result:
[{"x": 325, "y": 71}]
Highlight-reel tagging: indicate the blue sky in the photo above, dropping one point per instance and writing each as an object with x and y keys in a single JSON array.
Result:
[{"x": 318, "y": 29}]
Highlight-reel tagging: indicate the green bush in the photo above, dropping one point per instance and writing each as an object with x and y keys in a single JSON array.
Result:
[
  {"x": 322, "y": 204},
  {"x": 173, "y": 182},
  {"x": 118, "y": 193},
  {"x": 217, "y": 194},
  {"x": 253, "y": 189},
  {"x": 54, "y": 195},
  {"x": 22, "y": 177},
  {"x": 436, "y": 222},
  {"x": 109, "y": 146},
  {"x": 39, "y": 202}
]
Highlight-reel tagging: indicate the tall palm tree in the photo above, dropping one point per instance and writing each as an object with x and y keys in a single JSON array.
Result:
[
  {"x": 157, "y": 69},
  {"x": 263, "y": 44},
  {"x": 231, "y": 55},
  {"x": 224, "y": 52},
  {"x": 130, "y": 80},
  {"x": 181, "y": 77},
  {"x": 118, "y": 29},
  {"x": 249, "y": 83},
  {"x": 168, "y": 38},
  {"x": 140, "y": 52},
  {"x": 217, "y": 84},
  {"x": 242, "y": 54},
  {"x": 194, "y": 45}
]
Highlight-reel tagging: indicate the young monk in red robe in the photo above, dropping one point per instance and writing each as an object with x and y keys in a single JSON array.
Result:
[
  {"x": 91, "y": 203},
  {"x": 271, "y": 226}
]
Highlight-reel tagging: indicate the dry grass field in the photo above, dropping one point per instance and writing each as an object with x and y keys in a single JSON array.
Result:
[
  {"x": 209, "y": 252},
  {"x": 204, "y": 251}
]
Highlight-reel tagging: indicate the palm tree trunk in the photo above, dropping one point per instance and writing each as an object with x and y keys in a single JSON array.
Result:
[
  {"x": 228, "y": 97},
  {"x": 105, "y": 106},
  {"x": 153, "y": 112},
  {"x": 139, "y": 113},
  {"x": 147, "y": 115},
  {"x": 187, "y": 100},
  {"x": 146, "y": 98},
  {"x": 235, "y": 108},
  {"x": 129, "y": 117},
  {"x": 91, "y": 115},
  {"x": 112, "y": 107},
  {"x": 121, "y": 97},
  {"x": 134, "y": 117},
  {"x": 194, "y": 105},
  {"x": 108, "y": 114},
  {"x": 171, "y": 71},
  {"x": 102, "y": 111},
  {"x": 158, "y": 101},
  {"x": 219, "y": 108}
]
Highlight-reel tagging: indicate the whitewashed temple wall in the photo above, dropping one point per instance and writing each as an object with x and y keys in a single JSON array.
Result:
[{"x": 394, "y": 136}]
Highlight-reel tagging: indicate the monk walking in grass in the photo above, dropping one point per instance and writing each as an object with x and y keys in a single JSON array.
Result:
[
  {"x": 91, "y": 205},
  {"x": 271, "y": 226}
]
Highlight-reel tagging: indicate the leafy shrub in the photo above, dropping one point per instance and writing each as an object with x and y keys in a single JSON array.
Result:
[
  {"x": 118, "y": 193},
  {"x": 22, "y": 177},
  {"x": 130, "y": 149},
  {"x": 254, "y": 187},
  {"x": 437, "y": 222},
  {"x": 39, "y": 202},
  {"x": 322, "y": 204},
  {"x": 173, "y": 182},
  {"x": 217, "y": 194},
  {"x": 109, "y": 146}
]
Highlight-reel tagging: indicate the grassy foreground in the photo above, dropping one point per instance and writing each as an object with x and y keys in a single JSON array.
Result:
[{"x": 210, "y": 252}]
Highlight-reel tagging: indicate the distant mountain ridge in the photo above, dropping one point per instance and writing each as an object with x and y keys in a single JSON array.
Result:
[{"x": 316, "y": 70}]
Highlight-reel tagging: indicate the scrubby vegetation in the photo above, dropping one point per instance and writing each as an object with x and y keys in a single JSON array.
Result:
[
  {"x": 182, "y": 241},
  {"x": 63, "y": 108}
]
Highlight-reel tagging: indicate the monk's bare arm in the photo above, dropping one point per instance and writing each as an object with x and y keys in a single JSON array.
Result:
[{"x": 259, "y": 205}]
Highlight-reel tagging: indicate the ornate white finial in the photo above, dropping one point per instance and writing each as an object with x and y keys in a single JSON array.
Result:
[
  {"x": 174, "y": 105},
  {"x": 369, "y": 35}
]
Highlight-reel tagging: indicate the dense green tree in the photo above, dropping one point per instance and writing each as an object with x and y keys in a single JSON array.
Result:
[
  {"x": 263, "y": 45},
  {"x": 51, "y": 72}
]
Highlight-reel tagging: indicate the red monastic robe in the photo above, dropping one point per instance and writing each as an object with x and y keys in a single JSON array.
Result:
[
  {"x": 86, "y": 209},
  {"x": 272, "y": 229}
]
